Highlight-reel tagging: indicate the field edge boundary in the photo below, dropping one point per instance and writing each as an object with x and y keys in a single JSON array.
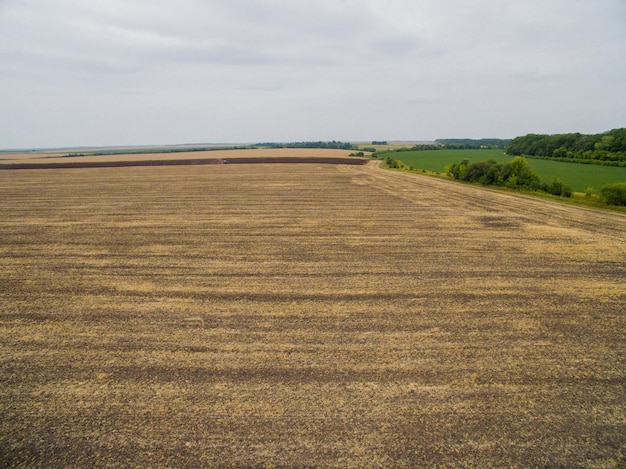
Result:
[{"x": 189, "y": 162}]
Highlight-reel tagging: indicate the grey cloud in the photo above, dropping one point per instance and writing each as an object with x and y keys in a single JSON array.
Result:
[{"x": 405, "y": 66}]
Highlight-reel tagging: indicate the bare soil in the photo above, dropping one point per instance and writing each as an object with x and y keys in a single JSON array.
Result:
[
  {"x": 305, "y": 315},
  {"x": 185, "y": 162}
]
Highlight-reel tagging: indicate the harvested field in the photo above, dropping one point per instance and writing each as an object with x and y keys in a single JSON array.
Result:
[
  {"x": 46, "y": 158},
  {"x": 305, "y": 315}
]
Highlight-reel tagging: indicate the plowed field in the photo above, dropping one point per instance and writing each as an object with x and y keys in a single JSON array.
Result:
[{"x": 305, "y": 315}]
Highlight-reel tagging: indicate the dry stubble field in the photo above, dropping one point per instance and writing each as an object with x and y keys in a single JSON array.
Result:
[
  {"x": 43, "y": 157},
  {"x": 305, "y": 315}
]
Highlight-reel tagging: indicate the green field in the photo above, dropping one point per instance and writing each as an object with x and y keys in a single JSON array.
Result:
[{"x": 578, "y": 176}]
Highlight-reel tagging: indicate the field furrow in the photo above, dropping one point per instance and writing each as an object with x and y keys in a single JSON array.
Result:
[{"x": 305, "y": 315}]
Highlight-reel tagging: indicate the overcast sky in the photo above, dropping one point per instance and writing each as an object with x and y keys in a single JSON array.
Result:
[{"x": 115, "y": 72}]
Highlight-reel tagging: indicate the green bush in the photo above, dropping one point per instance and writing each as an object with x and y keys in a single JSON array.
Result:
[
  {"x": 614, "y": 194},
  {"x": 558, "y": 187},
  {"x": 393, "y": 164}
]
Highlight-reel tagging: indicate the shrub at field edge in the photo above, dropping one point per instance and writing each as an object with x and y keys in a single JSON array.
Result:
[{"x": 614, "y": 194}]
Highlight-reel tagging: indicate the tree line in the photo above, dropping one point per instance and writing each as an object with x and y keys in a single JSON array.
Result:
[
  {"x": 335, "y": 145},
  {"x": 608, "y": 148},
  {"x": 518, "y": 175},
  {"x": 473, "y": 144}
]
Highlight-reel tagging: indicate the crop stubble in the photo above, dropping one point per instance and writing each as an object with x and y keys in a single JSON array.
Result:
[{"x": 298, "y": 315}]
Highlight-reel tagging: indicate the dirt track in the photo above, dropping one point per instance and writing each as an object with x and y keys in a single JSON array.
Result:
[{"x": 305, "y": 315}]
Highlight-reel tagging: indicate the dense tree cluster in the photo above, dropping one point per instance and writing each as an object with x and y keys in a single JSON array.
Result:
[
  {"x": 608, "y": 148},
  {"x": 514, "y": 175}
]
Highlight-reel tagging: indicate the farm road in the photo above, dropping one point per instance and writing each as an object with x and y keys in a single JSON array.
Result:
[{"x": 305, "y": 315}]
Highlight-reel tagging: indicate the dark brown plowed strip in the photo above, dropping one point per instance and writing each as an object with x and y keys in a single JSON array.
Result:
[{"x": 118, "y": 164}]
